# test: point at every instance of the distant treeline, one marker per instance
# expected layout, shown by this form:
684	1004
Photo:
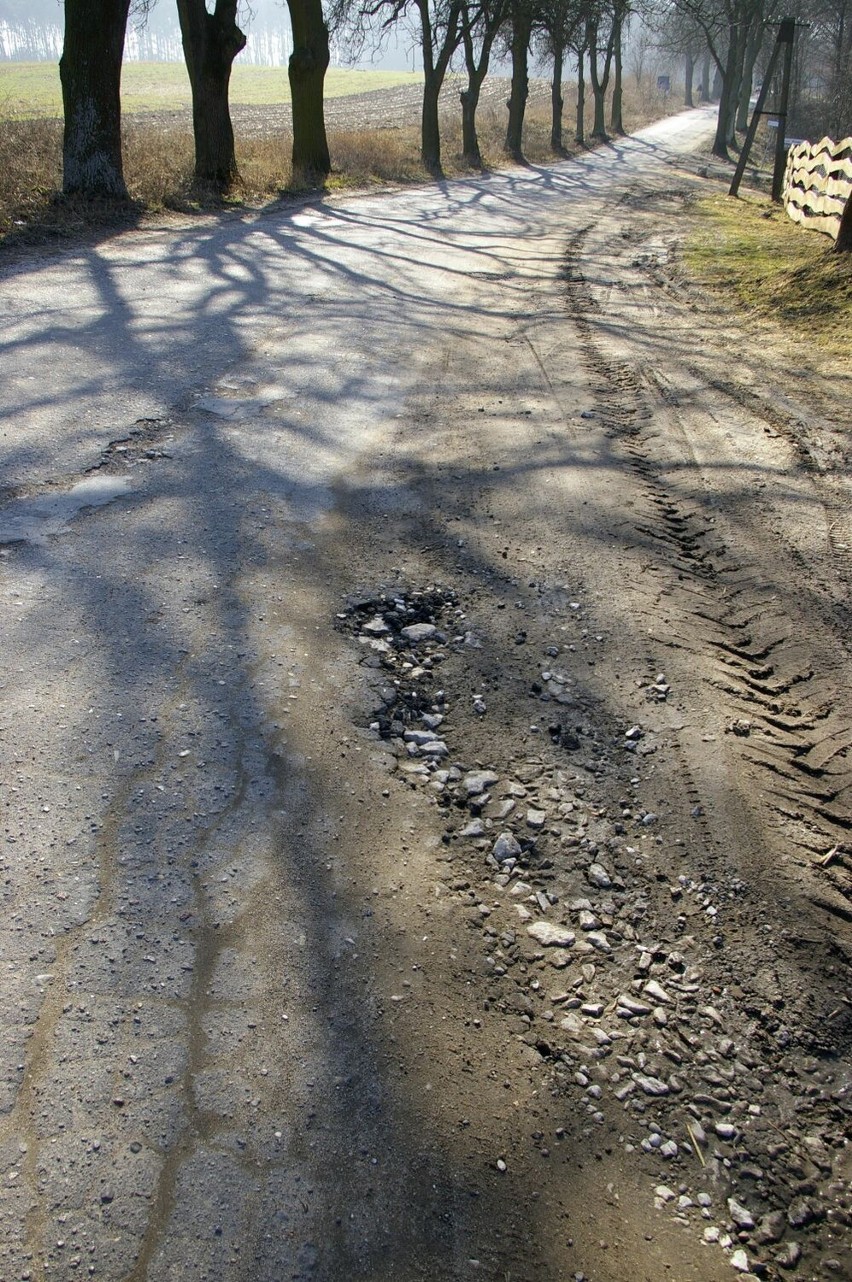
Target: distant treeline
29	40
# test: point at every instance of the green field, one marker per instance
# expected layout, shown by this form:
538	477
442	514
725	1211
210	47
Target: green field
32	88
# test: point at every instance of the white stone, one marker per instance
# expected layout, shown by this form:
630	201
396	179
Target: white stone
376	627
599	876
655	990
419	632
740	1214
550	935
478	781
650	1085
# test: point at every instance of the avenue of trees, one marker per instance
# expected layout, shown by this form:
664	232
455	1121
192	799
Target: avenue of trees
722	47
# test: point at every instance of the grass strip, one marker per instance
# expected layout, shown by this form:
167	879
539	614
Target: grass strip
749	250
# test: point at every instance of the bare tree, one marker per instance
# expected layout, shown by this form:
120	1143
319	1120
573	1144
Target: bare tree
439	34
733	31
600	63
211	42
479	26
90	74
559	22
580	45
620	12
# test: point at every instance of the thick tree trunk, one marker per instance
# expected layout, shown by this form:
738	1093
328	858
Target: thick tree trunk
430	129
434	71
521	32
469	98
90	74
616	120
688	72
843	244
211	42
557	102
307	67
580	129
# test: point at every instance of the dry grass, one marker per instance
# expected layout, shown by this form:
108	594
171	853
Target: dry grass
30	169
158	161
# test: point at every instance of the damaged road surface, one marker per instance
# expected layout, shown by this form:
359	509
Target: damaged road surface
426	767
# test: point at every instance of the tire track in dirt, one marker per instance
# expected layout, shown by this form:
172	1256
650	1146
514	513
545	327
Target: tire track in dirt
779	660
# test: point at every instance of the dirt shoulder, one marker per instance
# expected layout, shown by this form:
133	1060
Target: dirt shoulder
633	767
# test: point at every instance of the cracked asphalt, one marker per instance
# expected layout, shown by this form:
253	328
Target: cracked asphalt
252	1021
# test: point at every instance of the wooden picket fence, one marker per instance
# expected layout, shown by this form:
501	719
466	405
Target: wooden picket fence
818	183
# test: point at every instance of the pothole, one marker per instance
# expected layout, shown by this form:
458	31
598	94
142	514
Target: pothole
33	520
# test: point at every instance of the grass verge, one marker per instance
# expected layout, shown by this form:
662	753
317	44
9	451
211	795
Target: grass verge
749	250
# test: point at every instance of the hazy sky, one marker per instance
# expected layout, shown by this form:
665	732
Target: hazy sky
255	14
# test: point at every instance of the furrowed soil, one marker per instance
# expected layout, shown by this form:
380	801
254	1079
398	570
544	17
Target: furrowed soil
396	108
474	897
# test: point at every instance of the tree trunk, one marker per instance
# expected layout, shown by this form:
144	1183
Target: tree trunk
476	73
599	81
90	74
469	97
753	46
843	244
727	100
211	42
521	32
616	121
557	102
430	129
307	67
733	84
434	71
580	130
704	91
688	72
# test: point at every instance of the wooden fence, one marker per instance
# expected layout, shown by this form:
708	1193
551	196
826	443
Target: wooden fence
818	183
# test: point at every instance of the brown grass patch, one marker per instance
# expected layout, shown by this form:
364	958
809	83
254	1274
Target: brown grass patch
158	157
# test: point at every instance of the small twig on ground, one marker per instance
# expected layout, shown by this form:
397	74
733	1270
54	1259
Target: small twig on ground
694	1143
